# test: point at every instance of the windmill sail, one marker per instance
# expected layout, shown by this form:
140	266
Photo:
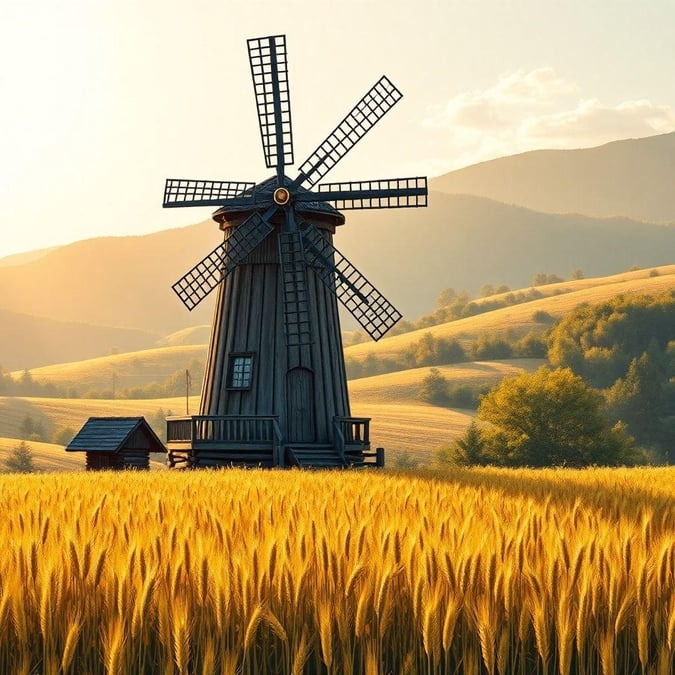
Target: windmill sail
364	302
196	284
269	70
376	102
179	192
388	193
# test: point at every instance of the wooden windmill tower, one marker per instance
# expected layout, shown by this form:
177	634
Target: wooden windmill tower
275	390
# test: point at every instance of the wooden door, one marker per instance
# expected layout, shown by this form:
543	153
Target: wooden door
300	426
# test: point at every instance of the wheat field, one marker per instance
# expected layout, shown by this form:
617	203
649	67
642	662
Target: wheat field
467	572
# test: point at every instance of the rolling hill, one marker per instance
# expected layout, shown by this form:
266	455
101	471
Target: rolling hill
124	282
519	319
401	423
632	178
61	413
50	457
152	365
30	341
409	254
130	370
46	456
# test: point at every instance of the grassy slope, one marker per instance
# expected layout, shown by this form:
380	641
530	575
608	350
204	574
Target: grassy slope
137	368
194	335
519	318
59	413
402	423
131	369
50	457
46	456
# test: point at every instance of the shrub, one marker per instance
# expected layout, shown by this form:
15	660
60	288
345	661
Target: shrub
20	459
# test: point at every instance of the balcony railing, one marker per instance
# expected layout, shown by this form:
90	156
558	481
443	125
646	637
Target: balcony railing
224	432
352	440
354	430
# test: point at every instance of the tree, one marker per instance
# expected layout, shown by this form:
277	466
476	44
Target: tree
490	348
550	418
577	273
20	459
469	449
543	279
434	388
639	399
446	297
32	429
599	341
486	290
63	436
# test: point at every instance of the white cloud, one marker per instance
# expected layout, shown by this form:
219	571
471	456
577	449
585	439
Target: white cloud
513	95
533	110
593	122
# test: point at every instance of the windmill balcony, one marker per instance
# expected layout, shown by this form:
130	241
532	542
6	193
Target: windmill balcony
256	440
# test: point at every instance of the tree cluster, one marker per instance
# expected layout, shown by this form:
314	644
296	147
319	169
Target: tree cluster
546	418
435	388
438	351
625	347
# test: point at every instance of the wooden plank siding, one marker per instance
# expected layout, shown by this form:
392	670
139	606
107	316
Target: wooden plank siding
248	318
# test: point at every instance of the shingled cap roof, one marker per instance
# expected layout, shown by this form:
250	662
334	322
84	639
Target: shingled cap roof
110	434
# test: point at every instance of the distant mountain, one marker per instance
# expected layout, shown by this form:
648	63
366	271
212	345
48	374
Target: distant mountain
123	282
462	242
29	342
409	254
22	258
634	178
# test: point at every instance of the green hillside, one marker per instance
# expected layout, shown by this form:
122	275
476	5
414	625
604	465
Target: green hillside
152	365
407	427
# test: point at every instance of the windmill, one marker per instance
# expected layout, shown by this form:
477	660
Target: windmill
275	389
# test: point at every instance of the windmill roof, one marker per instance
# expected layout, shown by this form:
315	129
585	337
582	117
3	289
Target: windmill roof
110	434
269	185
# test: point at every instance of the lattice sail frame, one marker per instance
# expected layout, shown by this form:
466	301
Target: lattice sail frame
300	245
372	107
197	283
269	70
387	193
192	192
363	301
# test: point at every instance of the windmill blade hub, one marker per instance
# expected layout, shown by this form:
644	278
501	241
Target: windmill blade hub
281	196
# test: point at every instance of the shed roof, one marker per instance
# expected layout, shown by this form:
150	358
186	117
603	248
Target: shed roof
110	434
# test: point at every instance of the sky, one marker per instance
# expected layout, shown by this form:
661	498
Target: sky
102	100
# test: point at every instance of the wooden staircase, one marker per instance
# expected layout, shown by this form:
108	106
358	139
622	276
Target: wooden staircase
314	456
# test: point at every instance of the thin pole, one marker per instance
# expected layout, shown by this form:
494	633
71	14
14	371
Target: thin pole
188	380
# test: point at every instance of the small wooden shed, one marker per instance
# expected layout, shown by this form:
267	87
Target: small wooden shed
116	443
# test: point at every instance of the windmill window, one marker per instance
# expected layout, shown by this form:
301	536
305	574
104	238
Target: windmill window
240	371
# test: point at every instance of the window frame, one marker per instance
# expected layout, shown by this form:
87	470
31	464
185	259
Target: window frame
232	362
